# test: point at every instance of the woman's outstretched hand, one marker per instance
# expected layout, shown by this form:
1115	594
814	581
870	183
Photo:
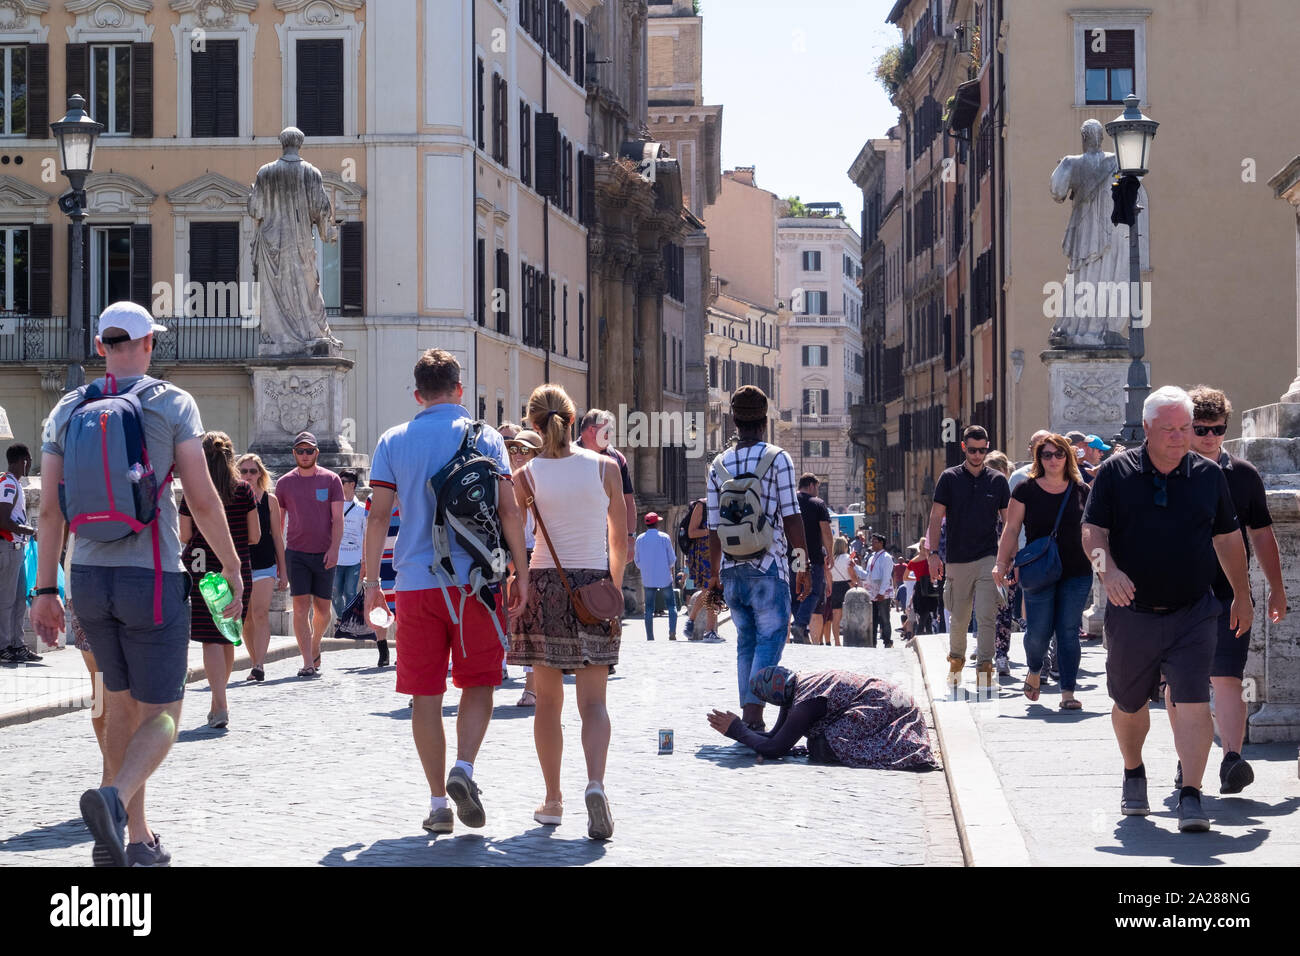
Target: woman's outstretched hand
721	720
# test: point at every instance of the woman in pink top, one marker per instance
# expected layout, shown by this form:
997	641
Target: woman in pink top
579	497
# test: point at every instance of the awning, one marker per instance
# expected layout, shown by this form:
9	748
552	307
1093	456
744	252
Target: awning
965	106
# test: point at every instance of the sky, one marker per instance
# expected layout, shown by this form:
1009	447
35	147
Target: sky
797	85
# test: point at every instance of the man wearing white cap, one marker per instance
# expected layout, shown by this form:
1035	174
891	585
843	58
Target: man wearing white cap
655	557
141	645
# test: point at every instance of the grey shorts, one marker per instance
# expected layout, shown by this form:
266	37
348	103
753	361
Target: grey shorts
115	609
1143	645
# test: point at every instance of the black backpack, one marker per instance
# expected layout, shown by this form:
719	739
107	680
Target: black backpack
465	505
684	539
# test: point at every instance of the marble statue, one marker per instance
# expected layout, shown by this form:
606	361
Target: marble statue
1098	252
287	200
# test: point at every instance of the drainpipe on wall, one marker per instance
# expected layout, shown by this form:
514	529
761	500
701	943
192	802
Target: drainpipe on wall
473	222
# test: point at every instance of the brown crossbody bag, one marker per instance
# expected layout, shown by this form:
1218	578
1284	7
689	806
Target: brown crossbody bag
599	602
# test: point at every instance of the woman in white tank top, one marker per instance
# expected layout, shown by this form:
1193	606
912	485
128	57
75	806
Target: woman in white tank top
578	497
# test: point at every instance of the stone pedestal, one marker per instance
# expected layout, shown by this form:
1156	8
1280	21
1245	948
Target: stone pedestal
1271	442
1095	616
1086	390
303	394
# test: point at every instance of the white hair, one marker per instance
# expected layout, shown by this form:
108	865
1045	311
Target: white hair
1166	396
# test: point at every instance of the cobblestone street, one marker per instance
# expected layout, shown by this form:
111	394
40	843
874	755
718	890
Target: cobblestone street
324	772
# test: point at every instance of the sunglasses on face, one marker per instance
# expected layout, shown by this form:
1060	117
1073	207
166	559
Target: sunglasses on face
248	471
1203	430
978	451
1058	454
304	451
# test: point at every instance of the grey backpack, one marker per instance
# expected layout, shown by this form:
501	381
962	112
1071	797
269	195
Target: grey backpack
743	527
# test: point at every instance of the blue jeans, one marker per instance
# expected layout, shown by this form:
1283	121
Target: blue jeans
1057	609
804	612
670	602
346	579
760	609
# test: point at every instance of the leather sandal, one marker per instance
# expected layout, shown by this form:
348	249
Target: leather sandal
527	699
1033	690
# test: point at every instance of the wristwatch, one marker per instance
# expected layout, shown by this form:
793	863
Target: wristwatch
370	584
37	592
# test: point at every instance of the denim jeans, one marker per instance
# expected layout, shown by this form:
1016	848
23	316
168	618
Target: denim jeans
760	609
1058	610
804	612
346	579
880	625
670	602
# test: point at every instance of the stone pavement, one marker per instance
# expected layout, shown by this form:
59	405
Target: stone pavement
324	772
61	683
1034	785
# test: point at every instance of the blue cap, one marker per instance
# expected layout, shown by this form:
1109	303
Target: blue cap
1097	443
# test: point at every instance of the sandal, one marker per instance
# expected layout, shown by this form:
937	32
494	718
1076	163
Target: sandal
1032	690
527	699
316	663
306	672
1070	703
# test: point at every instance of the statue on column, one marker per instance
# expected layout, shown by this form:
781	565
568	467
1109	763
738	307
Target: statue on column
288	199
1096	249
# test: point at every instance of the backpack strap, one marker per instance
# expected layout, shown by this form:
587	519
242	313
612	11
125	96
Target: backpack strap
764	463
721	469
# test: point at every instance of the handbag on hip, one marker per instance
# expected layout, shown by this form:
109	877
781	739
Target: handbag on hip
1038	563
599	602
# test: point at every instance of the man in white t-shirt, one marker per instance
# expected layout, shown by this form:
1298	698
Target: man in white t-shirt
14	535
347	573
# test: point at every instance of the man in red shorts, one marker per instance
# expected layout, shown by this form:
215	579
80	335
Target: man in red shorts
438	618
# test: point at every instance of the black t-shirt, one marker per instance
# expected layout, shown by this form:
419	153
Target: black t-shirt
972	503
1251	503
617	455
1040	514
814	512
1167	552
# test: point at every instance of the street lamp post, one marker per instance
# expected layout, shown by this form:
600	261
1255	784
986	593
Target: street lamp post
76	134
1133	133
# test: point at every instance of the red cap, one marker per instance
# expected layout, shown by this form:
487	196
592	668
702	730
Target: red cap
652	518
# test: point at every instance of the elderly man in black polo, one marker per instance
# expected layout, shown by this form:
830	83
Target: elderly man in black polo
1158	524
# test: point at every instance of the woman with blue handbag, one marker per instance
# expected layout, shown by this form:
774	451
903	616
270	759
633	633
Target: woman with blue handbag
1052	568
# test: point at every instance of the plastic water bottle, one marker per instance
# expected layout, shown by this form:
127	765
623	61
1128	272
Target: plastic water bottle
136	473
381	617
216	594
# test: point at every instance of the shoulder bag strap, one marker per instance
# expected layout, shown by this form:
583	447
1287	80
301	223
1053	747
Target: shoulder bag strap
1064	501
541	526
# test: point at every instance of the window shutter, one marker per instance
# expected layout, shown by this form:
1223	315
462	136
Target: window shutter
480	281
38	91
214	251
142	90
309	91
214	89
525	143
826	401
352	273
547	145
40	269
579	53
588	189
142	265
503	283
479	94
85	276
77	66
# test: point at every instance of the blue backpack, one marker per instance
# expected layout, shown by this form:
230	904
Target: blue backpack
109	489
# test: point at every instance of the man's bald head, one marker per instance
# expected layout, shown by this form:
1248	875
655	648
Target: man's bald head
1035	438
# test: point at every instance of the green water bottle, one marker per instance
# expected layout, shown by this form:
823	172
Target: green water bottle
216	594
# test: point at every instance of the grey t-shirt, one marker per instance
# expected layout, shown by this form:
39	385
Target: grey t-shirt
170	418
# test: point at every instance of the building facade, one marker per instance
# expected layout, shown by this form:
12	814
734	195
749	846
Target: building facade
745	315
819	268
878	172
991	95
691	132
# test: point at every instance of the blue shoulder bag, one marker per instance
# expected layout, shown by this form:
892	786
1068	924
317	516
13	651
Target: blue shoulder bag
1038	563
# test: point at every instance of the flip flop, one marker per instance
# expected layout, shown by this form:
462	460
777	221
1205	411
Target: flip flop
1033	690
1072	703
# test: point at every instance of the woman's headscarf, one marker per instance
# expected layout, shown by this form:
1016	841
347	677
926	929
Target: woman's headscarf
775	685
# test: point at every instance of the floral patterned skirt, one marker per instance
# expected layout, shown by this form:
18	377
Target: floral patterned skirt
548	632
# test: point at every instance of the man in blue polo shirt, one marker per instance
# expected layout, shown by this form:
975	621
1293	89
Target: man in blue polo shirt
439	619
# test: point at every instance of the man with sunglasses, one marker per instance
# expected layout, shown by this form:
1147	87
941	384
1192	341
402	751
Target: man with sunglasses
311	498
1211	410
1159	523
972	498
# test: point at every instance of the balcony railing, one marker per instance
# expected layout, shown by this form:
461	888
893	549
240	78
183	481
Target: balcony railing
28	338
